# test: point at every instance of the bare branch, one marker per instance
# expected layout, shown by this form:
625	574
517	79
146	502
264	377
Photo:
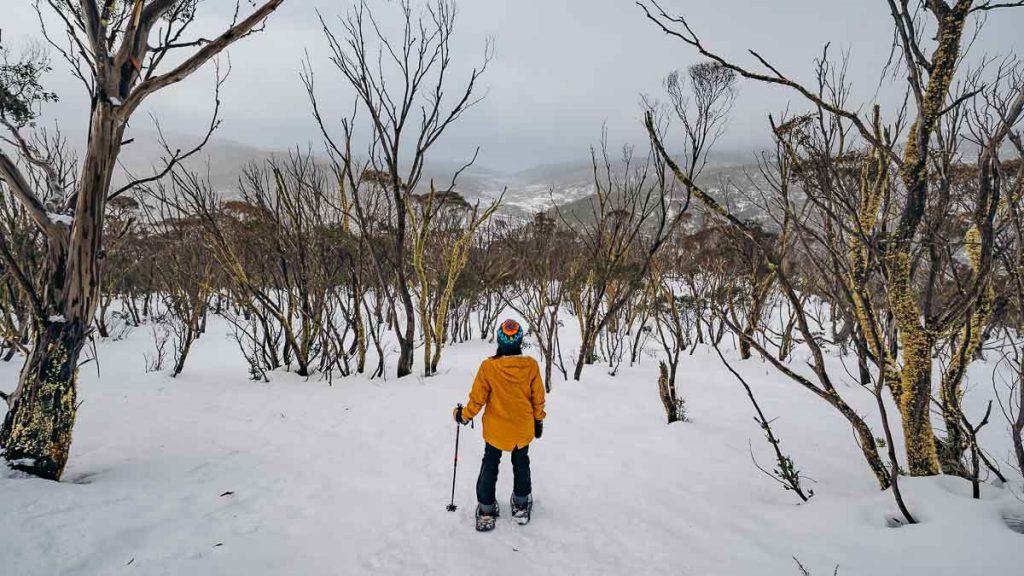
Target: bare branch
987	6
197	60
21	189
688	36
178	156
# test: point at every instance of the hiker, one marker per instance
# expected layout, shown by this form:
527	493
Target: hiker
509	385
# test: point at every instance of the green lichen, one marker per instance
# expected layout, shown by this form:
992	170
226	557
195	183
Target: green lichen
40	427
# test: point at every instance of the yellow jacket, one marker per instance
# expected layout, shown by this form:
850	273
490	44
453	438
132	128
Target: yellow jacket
512	390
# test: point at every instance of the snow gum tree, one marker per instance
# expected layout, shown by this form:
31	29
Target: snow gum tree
402	83
887	196
116	49
542	267
447	223
619	232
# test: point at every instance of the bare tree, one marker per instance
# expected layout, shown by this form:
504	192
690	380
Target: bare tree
633	213
401	84
284	253
185	273
492	264
1012	257
543	266
118	260
446	222
890	220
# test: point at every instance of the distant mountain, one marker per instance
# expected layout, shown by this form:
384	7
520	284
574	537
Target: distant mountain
540	188
222	160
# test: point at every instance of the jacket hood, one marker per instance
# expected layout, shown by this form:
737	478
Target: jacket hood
514	368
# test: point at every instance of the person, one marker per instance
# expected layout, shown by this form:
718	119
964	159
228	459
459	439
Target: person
509	389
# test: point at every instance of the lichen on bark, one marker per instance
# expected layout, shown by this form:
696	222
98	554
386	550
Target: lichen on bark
39	434
915	375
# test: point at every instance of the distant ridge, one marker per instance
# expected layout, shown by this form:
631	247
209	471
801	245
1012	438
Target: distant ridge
538	188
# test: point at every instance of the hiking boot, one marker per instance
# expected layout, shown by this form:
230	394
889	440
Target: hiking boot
521	511
485	520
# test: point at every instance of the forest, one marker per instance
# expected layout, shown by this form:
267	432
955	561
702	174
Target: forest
863	272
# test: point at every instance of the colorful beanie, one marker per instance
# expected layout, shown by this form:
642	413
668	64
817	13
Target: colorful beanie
510	337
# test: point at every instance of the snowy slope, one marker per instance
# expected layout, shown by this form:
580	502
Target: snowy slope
210	474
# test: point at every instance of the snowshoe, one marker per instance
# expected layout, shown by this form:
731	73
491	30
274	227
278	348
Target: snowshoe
521	512
485	521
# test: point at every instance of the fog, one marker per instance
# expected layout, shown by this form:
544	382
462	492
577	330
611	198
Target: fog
560	70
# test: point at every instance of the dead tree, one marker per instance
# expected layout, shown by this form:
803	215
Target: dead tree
671	322
826	389
701	101
1012	258
282	248
116	49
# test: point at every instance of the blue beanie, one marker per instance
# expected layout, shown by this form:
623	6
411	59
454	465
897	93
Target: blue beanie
510	337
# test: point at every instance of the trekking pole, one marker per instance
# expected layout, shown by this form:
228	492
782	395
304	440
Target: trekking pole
455	467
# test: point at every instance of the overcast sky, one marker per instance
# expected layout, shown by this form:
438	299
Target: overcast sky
561	69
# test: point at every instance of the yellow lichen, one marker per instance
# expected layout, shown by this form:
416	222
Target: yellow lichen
41	429
972	245
915	377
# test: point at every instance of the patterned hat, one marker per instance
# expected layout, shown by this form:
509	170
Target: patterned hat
510	334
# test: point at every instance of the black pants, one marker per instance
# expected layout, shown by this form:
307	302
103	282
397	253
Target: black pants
488	478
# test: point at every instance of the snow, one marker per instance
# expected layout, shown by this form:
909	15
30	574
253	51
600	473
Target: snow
57	319
211	474
61	218
540	197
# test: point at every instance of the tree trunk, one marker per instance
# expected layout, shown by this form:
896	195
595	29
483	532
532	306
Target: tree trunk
634	353
36	433
1017	427
700	326
101	319
865	439
586	355
589	331
914	391
549	346
667	391
786	346
549	363
761	289
360	326
405	356
186	346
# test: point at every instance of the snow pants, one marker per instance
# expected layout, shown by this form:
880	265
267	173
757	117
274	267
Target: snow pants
485	483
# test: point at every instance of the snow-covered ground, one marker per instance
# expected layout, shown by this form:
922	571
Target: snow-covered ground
212	474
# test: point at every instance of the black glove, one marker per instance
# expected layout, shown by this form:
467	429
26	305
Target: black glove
538	428
458	414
